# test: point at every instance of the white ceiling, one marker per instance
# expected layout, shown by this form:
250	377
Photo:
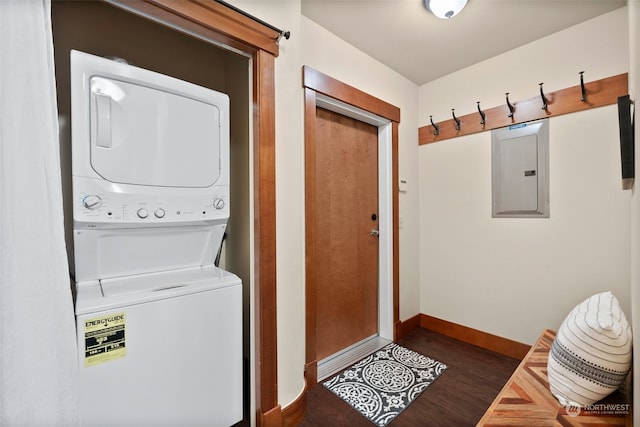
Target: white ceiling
407	38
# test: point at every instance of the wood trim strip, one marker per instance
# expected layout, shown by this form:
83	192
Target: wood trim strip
311	366
396	225
599	93
265	231
270	418
403	328
232	25
476	337
164	16
333	88
311	372
293	413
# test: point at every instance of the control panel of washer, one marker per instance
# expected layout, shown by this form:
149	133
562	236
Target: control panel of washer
96	207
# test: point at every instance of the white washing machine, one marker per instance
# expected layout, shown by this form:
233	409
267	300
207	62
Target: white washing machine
159	326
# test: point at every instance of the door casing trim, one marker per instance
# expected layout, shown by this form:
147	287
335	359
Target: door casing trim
327	92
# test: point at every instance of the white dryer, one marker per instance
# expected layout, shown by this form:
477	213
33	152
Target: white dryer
159	326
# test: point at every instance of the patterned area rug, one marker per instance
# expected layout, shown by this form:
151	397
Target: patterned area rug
383	384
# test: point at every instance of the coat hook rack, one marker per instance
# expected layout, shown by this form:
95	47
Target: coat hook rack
455	119
564	101
544	98
511	107
436	128
482	115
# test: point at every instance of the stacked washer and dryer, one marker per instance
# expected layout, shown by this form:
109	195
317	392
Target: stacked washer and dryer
159	325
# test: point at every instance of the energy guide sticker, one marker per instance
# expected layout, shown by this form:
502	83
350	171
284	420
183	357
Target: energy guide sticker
104	339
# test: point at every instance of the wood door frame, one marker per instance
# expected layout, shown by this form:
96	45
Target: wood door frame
220	25
320	88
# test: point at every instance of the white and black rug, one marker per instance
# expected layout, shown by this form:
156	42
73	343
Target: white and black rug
383	384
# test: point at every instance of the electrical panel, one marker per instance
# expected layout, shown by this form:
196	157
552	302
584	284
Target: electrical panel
520	170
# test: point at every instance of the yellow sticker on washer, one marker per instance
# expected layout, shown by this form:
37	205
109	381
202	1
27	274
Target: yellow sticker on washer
104	339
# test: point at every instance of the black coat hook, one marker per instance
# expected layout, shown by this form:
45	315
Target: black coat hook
436	128
511	107
544	98
482	115
582	89
455	119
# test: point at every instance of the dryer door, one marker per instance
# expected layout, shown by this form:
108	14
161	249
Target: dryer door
146	136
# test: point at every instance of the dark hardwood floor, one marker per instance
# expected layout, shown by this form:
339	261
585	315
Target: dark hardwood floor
458	398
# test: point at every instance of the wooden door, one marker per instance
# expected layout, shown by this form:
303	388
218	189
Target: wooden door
346	250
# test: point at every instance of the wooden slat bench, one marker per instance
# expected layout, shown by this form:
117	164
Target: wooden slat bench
525	400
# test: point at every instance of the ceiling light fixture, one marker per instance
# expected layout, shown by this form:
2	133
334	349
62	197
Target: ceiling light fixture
445	9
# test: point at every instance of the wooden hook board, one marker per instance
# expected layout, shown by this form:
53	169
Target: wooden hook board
598	93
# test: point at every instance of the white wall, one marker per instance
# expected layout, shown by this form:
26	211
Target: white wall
451	251
314	46
332	56
515	277
285	14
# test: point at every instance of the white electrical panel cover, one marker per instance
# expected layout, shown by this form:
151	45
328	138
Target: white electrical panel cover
520	174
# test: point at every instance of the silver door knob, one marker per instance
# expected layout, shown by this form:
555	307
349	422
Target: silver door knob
374	232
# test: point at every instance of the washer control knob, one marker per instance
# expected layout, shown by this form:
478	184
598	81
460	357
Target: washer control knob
159	213
92	202
218	203
142	213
